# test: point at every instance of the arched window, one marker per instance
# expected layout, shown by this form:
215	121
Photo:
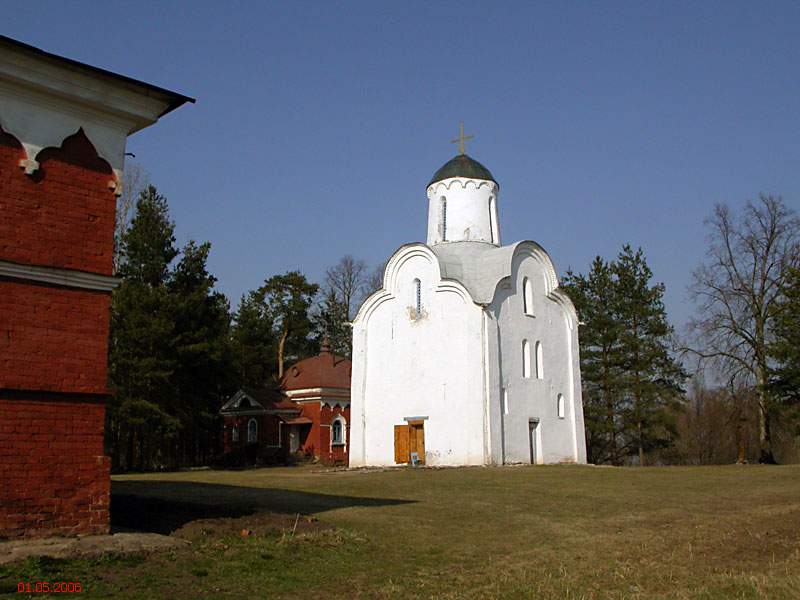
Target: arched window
539	361
418	297
527	296
526	359
444	219
337	436
252	431
235	433
560	406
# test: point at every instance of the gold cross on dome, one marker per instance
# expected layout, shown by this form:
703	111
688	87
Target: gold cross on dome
462	148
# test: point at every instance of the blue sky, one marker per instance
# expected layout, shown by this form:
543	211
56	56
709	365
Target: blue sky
318	125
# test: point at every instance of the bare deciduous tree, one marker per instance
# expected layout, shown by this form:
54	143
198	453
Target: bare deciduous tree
346	281
735	291
374	280
135	180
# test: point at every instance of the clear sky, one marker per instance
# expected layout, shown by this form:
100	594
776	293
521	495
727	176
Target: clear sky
318	125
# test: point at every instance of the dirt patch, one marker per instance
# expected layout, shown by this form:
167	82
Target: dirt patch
256	524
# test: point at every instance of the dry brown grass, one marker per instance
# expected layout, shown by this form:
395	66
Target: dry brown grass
524	532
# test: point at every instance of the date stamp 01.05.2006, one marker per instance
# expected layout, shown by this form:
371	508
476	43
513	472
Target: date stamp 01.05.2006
41	587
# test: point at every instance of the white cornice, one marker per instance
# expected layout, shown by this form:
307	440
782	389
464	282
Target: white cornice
58	276
463	182
319	390
45	98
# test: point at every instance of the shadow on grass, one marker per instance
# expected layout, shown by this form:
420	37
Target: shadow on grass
164	506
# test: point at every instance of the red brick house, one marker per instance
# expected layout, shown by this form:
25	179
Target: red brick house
307	413
63	127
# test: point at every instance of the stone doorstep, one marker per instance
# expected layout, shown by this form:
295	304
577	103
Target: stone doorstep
87	545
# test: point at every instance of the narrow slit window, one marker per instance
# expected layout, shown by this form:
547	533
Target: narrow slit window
526	359
560	406
492	222
252	431
444	219
235	433
527	296
418	297
504	400
539	361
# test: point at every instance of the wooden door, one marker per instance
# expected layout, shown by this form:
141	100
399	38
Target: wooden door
402	445
417	439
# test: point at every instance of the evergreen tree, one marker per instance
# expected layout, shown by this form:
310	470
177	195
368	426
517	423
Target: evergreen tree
289	299
595	297
202	377
631	383
168	355
785	350
650	378
330	317
253	343
141	335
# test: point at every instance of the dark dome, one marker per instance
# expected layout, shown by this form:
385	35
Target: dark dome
462	166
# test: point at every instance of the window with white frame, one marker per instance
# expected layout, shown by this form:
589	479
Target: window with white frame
235	433
337	432
527	296
560	406
252	431
539	361
418	297
526	358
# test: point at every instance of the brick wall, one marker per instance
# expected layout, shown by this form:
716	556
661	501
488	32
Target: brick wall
54	342
54	476
52	338
63	214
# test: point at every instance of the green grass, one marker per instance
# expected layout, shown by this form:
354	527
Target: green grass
563	532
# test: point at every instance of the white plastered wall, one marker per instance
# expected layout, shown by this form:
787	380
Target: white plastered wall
554	325
405	367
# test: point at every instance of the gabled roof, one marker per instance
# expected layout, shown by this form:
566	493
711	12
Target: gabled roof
254	400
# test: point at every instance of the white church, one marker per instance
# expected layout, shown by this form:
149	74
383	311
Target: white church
468	355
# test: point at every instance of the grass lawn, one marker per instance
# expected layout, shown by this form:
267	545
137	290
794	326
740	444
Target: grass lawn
564	532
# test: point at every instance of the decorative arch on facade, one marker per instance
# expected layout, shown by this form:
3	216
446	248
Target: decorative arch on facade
391	282
464	183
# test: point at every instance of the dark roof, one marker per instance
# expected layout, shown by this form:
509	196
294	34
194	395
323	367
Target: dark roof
175	99
462	166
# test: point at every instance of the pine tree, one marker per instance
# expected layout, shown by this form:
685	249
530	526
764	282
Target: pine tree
289	299
169	359
141	362
650	378
785	350
330	317
595	297
253	343
202	377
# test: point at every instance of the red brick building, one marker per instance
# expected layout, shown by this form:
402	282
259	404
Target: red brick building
307	413
63	127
